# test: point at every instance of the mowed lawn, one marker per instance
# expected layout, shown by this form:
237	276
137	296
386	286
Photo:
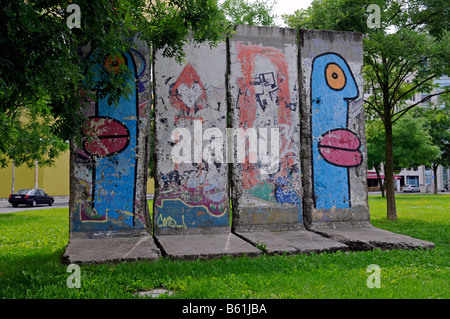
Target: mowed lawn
32	242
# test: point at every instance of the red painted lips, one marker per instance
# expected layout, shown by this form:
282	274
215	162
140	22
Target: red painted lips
105	136
340	147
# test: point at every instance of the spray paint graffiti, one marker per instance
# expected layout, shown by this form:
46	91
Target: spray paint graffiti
192	193
334	147
264	100
107	157
187	94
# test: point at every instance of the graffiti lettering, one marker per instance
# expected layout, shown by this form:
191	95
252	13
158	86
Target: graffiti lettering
170	222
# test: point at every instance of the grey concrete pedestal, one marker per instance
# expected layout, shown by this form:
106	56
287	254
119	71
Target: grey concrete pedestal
111	249
292	242
205	246
366	238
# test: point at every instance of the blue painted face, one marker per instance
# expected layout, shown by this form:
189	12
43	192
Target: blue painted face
112	147
332	85
334	147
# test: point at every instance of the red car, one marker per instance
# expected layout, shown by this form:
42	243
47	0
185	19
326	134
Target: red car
30	197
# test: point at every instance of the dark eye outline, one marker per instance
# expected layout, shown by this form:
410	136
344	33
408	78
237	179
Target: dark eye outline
333	76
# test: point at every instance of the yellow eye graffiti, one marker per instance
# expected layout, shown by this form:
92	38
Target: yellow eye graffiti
335	76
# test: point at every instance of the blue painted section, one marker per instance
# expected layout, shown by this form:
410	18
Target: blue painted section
329	111
284	192
115	175
175	214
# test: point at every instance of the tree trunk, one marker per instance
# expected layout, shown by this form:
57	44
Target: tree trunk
435	168
389	171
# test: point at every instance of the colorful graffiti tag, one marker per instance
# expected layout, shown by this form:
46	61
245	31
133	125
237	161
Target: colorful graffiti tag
194	193
265	100
107	159
334	147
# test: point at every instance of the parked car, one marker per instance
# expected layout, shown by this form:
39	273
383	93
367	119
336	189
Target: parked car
411	188
30	197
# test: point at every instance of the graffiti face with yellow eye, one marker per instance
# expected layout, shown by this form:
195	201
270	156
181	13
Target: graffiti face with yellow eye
335	148
335	76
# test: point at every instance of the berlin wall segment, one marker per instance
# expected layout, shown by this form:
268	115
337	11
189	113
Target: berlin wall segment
108	210
333	135
109	168
263	92
190	98
273	118
333	142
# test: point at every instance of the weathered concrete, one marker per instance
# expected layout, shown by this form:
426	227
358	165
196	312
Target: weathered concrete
108	169
190	122
292	242
334	157
205	246
263	101
111	249
366	238
332	129
257	82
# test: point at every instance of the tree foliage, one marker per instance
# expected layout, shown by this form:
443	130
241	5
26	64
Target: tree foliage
43	74
258	12
412	141
437	122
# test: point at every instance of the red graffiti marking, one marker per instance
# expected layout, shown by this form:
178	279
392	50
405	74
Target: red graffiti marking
105	136
113	63
247	55
341	147
188	94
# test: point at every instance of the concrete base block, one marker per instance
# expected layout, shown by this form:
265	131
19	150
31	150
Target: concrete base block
111	249
205	246
292	242
366	238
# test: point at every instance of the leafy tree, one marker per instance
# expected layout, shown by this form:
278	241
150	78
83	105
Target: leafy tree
413	144
30	136
42	70
401	57
437	122
258	12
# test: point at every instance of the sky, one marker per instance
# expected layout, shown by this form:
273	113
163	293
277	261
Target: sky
289	7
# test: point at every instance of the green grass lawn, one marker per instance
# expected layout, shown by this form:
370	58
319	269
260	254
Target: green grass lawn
32	242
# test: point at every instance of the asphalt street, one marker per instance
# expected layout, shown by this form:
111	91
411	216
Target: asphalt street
6	207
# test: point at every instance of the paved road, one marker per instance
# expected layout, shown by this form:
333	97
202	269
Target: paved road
6	207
